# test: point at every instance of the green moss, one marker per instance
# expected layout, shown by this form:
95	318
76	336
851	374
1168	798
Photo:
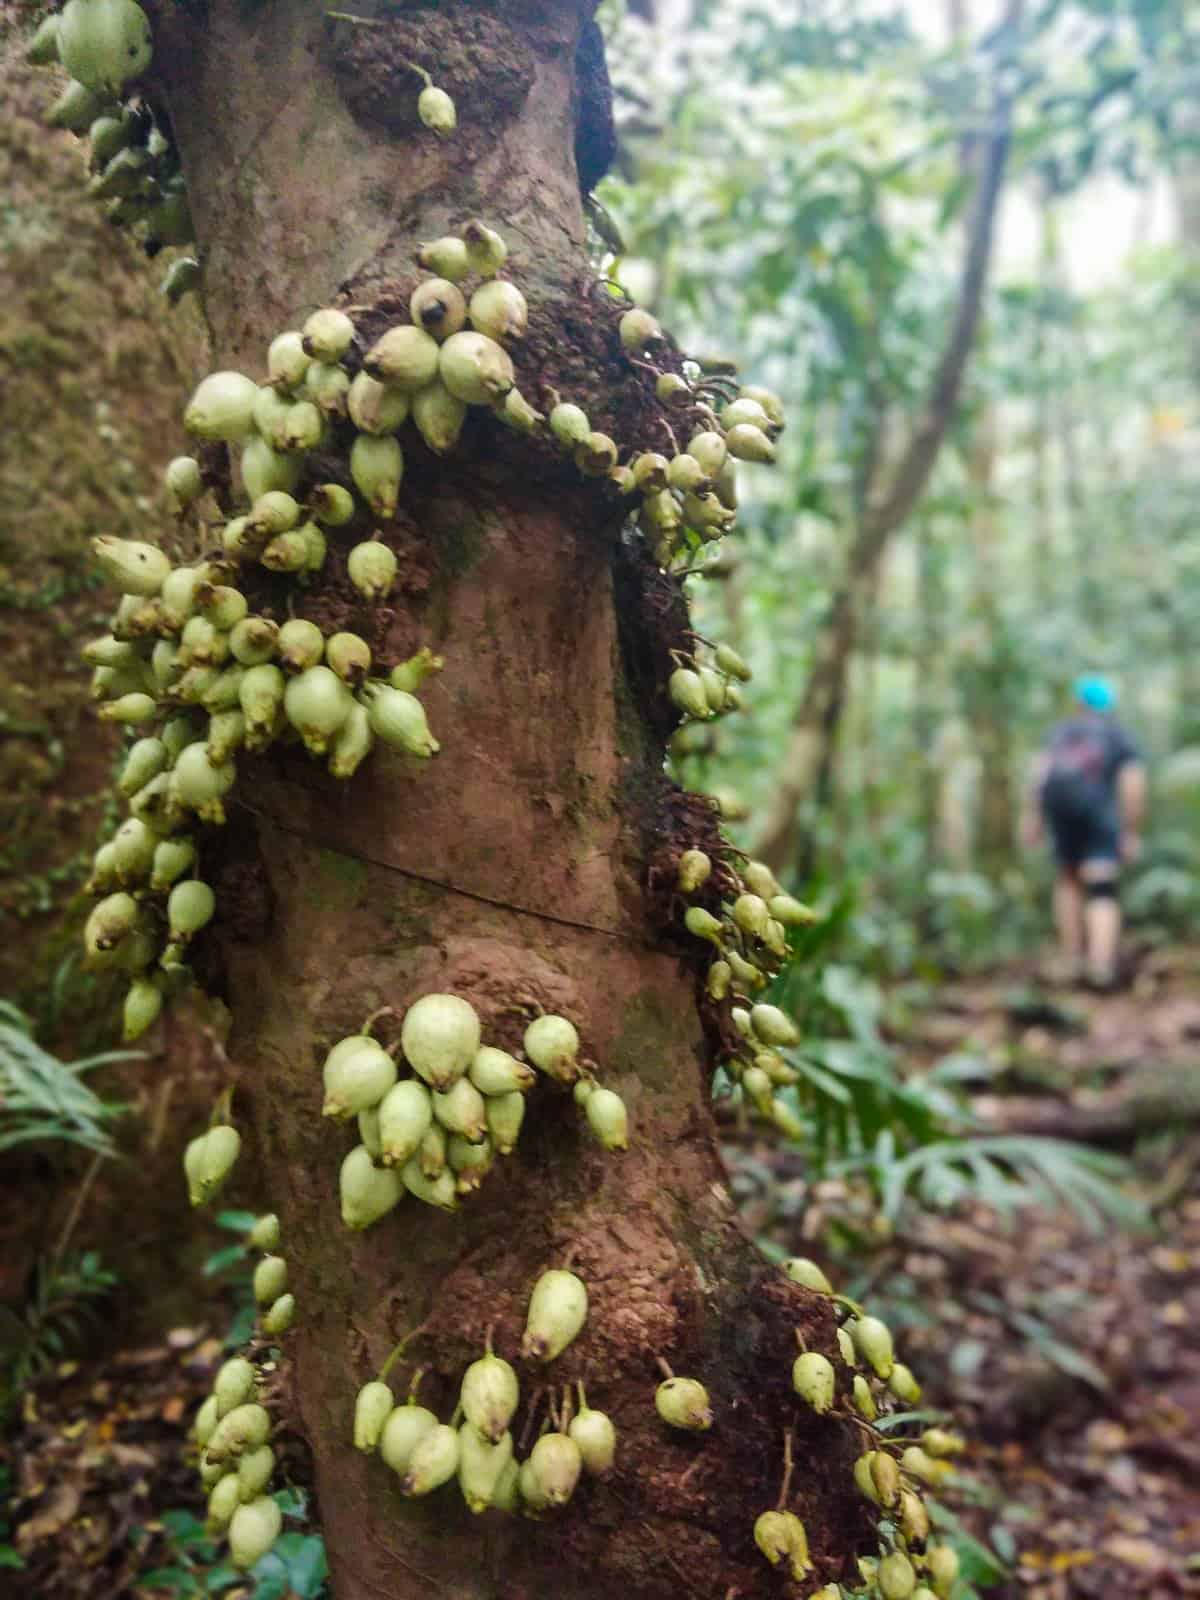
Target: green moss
460	542
32	347
648	1039
342	881
407	917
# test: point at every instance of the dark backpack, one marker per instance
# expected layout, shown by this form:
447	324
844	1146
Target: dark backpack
1076	783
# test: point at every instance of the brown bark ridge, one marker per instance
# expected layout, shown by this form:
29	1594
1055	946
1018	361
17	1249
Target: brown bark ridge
886	506
511	870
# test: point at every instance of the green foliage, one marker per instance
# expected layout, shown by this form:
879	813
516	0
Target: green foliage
44	1102
1004	1173
979	1567
43	1099
294	1569
66	1298
1104	91
10	1556
913	1138
223	1260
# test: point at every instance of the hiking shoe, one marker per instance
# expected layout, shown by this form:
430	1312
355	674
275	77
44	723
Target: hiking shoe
1060	972
1102	980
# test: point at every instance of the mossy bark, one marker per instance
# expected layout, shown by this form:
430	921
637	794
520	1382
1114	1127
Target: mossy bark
511	870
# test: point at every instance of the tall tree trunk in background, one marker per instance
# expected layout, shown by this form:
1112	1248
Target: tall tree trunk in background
863	691
1074	497
1065	411
516	870
928	662
885	508
1185	717
987	706
1186	186
1042	522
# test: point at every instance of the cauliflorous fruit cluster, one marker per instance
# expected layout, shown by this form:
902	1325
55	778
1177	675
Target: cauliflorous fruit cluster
203	674
476	1446
232	1428
132	159
891	1474
749	938
436	1134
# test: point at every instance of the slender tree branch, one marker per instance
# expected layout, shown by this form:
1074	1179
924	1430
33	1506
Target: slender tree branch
885	513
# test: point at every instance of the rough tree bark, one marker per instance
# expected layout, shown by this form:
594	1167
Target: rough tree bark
516	870
886	506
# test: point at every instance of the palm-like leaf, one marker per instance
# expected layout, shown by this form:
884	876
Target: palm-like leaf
43	1098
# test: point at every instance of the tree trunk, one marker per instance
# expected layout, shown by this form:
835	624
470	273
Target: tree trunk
516	870
928	701
864	694
1042	539
987	681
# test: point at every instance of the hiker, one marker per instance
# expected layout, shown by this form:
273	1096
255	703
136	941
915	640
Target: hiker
1089	794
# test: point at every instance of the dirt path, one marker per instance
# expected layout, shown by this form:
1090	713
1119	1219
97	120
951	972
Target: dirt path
1073	1356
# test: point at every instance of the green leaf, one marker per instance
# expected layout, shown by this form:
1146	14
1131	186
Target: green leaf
308	1567
1064	1356
903	1419
178	1579
182	1524
977	1564
1003	1543
236	1221
826	1082
241	1327
230	1256
222	1577
270	1578
42	1098
292	1502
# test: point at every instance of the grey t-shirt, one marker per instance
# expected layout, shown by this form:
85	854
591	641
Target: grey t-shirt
1092	747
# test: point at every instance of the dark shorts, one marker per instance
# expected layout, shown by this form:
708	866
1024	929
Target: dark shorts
1090	837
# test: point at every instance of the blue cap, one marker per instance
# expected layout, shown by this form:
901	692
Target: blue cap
1095	692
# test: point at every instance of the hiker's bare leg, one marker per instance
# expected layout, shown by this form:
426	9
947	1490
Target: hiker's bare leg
1068	917
1102	916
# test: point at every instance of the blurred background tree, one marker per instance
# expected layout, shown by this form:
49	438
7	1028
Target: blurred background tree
935	562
